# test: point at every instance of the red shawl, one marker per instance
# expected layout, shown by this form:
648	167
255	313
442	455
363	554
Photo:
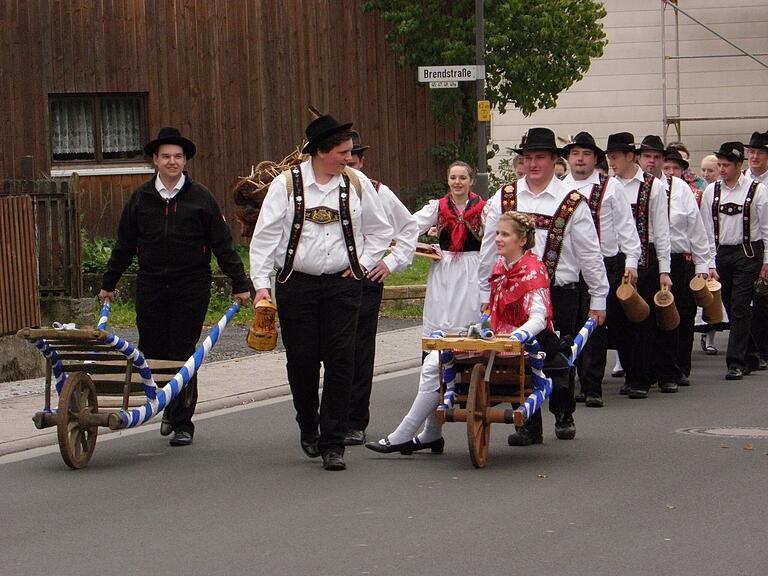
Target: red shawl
456	224
512	292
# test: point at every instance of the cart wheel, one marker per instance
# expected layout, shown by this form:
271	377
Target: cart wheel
76	442
478	427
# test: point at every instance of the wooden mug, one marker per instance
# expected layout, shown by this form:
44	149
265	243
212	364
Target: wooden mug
667	316
701	292
262	335
713	312
635	308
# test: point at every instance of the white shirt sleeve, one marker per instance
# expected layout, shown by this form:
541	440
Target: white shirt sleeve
488	255
375	226
405	231
426	217
626	229
268	233
761	207
586	247
696	233
537	316
659	208
706	218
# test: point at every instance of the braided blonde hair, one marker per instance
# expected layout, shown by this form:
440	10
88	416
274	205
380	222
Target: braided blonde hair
522	224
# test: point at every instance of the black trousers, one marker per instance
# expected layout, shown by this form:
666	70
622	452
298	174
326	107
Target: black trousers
760	326
643	363
365	354
565	308
591	363
318	323
737	276
169	318
681	272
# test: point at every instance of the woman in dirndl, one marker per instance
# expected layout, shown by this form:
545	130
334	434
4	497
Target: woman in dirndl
452	300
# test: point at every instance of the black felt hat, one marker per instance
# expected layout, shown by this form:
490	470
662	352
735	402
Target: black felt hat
320	128
357	143
171	135
652	143
621	142
673	154
758	140
538	139
732	151
584	140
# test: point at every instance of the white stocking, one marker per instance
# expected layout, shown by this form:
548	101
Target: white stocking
425	403
432	430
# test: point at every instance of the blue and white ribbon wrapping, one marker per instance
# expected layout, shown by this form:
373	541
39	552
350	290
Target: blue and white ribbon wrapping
105	309
161	397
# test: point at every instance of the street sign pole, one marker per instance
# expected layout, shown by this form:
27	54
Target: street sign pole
481	180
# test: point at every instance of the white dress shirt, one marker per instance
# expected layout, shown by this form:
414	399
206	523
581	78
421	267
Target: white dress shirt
160	187
580	251
686	229
762	178
321	248
730	225
405	232
618	232
658	221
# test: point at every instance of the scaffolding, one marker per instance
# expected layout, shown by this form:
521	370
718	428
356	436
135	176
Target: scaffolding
675	118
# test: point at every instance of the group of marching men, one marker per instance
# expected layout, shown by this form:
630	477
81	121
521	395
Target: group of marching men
334	235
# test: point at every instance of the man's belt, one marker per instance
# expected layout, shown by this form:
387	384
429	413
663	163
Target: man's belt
322	215
731	208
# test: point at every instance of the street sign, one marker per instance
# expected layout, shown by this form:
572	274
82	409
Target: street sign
444	84
468	73
483	111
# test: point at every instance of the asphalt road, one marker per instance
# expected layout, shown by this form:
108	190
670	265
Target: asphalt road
631	495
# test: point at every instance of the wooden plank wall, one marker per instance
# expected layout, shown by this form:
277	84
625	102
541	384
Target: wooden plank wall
19	302
234	75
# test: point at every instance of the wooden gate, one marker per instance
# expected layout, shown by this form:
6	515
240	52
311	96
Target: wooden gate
57	233
19	300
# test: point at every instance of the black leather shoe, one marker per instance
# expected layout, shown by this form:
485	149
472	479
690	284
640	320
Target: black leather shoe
165	428
624	390
734	374
354	438
668	387
309	445
181	438
437	446
523	437
637	394
762	364
684	381
333	460
384	447
565	429
579	397
593	401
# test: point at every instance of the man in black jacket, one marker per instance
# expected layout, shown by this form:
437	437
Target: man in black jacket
173	224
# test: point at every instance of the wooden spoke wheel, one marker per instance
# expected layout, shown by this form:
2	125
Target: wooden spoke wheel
76	441
478	426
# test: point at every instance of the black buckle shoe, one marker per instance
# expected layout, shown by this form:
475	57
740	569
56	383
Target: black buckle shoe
383	446
333	461
437	446
309	445
354	438
523	437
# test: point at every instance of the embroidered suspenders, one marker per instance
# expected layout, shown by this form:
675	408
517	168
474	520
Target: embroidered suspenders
640	212
732	209
555	225
318	215
596	200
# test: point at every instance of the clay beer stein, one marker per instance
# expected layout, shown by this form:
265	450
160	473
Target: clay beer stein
713	312
262	335
701	293
633	304
667	316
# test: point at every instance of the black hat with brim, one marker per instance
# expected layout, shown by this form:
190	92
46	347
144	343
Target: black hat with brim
731	150
538	139
171	135
621	142
584	140
652	143
672	154
357	143
320	129
758	140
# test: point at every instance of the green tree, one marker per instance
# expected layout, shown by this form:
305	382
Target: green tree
535	49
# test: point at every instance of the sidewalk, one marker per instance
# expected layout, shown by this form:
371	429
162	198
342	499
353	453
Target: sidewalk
220	385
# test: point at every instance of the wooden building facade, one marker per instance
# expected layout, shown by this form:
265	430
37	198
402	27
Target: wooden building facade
85	83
